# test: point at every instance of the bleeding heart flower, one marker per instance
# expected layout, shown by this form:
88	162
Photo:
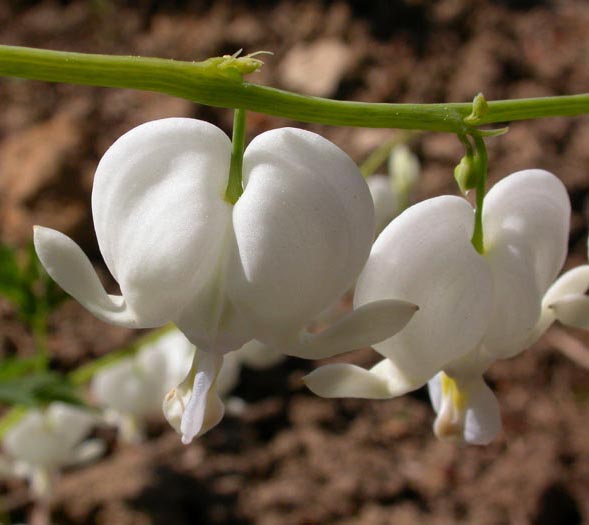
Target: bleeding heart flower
474	309
44	441
225	274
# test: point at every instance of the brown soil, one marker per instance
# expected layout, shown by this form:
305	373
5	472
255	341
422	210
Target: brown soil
292	458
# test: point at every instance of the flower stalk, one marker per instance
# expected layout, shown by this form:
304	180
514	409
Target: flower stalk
481	166
235	183
219	82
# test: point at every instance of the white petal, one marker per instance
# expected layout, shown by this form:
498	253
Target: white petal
526	221
566	299
72	423
128	387
344	380
572	310
425	257
304	226
483	416
478	421
573	282
47	439
159	213
404	170
530	208
194	407
229	375
364	326
66	263
167	359
259	355
385	202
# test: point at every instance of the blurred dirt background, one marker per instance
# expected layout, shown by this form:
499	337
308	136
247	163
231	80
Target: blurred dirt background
291	458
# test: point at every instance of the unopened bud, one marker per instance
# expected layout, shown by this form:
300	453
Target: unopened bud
466	174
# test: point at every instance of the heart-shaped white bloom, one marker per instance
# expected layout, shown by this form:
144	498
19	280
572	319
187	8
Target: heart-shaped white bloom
260	269
44	441
474	308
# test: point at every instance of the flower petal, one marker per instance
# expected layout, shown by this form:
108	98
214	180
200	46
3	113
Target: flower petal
304	226
47	439
572	310
385	202
575	282
159	213
481	418
526	220
228	376
425	257
66	263
194	407
345	380
259	356
365	326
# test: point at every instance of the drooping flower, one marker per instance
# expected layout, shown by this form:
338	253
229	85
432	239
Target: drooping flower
225	274
133	388
44	441
474	309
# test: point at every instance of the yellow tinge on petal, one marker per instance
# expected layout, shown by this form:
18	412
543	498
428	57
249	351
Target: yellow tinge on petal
449	424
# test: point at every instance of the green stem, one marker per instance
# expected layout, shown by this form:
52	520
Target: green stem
40	340
379	155
211	83
477	235
235	184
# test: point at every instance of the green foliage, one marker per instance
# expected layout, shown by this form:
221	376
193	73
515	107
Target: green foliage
21	383
27	286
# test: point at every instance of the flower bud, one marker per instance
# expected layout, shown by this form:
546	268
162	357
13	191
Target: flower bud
466	174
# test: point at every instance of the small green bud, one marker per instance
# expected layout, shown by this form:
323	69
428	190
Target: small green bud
467	174
480	107
234	66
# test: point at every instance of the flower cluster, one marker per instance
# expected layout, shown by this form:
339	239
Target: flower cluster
256	273
474	308
226	274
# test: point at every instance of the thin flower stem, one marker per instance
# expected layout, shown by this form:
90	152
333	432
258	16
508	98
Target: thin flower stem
481	152
379	155
218	82
235	184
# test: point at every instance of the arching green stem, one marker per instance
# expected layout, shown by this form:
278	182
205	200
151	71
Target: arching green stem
481	154
218	82
235	183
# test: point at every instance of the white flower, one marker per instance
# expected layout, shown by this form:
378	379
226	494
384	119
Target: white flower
225	274
134	388
391	194
473	309
43	442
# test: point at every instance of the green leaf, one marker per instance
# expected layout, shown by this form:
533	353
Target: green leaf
38	390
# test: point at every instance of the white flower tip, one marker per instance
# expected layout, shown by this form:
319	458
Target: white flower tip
345	380
194	407
467	412
572	310
67	264
365	326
